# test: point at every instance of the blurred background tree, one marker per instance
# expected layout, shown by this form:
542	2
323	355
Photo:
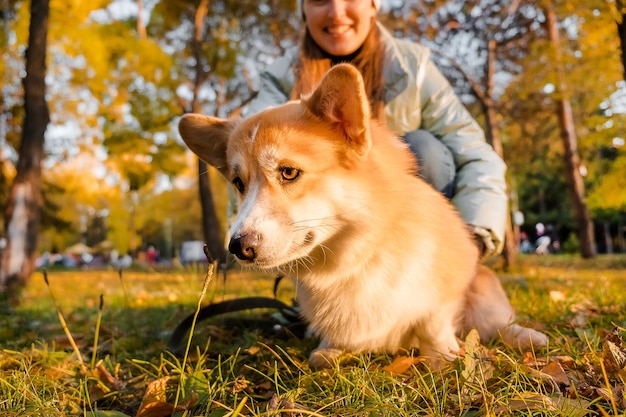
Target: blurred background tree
120	73
24	200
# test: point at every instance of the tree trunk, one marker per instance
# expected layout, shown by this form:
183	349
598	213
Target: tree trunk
494	138
25	199
141	27
570	144
210	224
608	240
621	239
621	31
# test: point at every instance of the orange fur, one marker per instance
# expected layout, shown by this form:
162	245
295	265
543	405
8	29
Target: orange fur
330	198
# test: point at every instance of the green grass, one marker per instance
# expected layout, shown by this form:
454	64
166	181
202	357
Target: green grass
243	373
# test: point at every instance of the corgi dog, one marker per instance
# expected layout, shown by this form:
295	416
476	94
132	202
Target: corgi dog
331	198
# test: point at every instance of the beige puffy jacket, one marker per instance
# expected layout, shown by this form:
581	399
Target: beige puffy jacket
418	96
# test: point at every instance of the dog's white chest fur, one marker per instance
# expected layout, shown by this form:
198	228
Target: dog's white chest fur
389	302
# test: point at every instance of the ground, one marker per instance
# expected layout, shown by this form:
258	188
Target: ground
94	343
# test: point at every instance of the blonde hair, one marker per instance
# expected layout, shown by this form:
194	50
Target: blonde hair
313	62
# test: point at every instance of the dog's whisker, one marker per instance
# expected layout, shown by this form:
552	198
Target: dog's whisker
324	226
306	262
324	248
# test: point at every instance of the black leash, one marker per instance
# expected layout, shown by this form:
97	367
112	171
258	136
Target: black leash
292	323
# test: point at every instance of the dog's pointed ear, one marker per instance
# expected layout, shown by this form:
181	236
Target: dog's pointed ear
207	137
340	99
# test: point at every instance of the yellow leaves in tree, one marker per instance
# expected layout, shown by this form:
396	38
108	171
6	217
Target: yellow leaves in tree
609	194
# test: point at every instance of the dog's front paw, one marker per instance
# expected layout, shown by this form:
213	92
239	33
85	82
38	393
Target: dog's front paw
324	357
524	337
435	360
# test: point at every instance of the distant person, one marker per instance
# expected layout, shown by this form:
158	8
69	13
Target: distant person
542	243
525	245
555	243
125	261
114	257
152	255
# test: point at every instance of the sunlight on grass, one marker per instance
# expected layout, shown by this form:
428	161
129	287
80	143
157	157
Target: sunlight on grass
230	372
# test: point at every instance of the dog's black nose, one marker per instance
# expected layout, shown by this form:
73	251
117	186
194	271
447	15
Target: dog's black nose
243	247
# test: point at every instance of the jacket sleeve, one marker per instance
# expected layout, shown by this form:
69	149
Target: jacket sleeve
480	189
276	85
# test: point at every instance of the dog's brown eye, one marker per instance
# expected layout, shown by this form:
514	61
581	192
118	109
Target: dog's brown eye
289	174
238	183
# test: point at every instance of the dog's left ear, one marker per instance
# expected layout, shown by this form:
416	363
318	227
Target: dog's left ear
207	137
340	99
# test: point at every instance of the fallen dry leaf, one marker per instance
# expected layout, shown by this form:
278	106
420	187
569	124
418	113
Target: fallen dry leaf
583	312
290	407
163	408
155	393
531	360
614	354
556	371
532	401
401	364
542	377
156	409
478	367
106	377
62	341
557	296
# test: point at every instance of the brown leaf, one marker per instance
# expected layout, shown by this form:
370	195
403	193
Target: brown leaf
154	402
264	389
583	312
541	376
556	371
401	364
155	393
478	365
614	354
533	361
527	401
240	384
106	377
273	403
253	350
534	401
156	409
97	392
62	341
472	355
565	360
277	403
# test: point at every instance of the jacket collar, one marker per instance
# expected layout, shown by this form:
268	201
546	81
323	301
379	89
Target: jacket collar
396	71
